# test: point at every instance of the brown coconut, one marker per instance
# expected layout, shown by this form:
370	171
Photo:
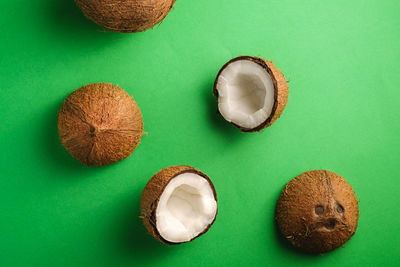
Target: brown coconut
317	211
126	16
100	124
151	195
281	91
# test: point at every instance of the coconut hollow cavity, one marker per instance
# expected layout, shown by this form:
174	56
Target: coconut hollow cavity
252	93
178	204
126	16
100	124
317	211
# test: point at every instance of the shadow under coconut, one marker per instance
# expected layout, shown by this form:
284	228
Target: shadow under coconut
69	24
132	239
51	149
217	121
281	241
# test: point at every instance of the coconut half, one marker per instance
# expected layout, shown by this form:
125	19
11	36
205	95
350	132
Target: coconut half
126	16
252	93
100	124
178	204
317	211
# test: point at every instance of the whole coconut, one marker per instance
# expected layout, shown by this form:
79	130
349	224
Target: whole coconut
100	124
126	16
317	211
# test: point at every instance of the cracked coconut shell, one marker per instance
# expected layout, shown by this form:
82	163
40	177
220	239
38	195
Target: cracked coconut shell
151	195
281	91
317	211
100	124
126	16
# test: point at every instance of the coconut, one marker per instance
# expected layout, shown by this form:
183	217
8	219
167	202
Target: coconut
178	204
251	92
126	16
100	124
317	211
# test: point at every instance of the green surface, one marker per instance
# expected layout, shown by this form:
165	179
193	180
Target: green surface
343	61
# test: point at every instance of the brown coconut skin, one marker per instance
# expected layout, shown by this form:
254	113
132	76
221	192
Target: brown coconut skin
100	124
152	193
281	91
126	16
317	211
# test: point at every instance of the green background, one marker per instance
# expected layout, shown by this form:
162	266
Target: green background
342	59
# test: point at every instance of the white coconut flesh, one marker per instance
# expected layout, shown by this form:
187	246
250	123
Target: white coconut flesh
245	93
186	208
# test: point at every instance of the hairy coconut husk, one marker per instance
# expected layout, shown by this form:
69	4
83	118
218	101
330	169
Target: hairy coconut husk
100	124
281	90
152	193
126	16
317	211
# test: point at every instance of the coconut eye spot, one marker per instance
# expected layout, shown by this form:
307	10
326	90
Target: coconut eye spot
319	209
186	208
330	224
246	93
339	208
